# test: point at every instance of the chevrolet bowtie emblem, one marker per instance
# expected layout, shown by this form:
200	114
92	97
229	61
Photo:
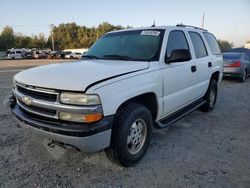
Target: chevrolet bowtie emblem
26	100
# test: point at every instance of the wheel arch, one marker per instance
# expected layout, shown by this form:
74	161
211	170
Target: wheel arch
215	76
149	100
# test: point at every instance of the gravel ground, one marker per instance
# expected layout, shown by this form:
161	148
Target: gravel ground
201	150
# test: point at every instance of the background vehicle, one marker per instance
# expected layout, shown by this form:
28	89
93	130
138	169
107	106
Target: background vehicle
125	85
64	53
236	65
73	55
16	53
40	54
241	50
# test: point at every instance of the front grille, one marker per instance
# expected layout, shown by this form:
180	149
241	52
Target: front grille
37	94
37	109
41	95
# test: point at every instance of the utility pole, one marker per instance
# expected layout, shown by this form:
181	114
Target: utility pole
52	37
203	20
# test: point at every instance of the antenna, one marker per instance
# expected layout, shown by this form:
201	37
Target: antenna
153	24
203	20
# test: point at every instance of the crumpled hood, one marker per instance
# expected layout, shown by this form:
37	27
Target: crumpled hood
78	75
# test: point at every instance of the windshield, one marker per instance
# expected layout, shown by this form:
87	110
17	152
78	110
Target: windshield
140	45
231	56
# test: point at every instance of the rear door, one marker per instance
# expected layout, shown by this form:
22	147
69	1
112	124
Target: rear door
203	62
179	78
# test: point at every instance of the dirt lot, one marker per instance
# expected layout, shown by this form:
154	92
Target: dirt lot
28	63
201	150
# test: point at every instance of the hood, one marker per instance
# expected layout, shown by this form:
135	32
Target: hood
76	76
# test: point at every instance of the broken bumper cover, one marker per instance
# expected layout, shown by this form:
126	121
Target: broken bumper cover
85	137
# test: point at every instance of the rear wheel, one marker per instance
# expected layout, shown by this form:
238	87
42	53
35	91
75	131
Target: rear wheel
244	75
130	135
210	96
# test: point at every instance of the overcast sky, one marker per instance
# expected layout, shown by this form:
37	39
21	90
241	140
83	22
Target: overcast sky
227	19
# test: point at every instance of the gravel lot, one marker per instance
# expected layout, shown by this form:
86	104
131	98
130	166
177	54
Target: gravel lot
201	150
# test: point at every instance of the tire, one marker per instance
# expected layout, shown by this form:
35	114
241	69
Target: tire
210	97
243	78
131	135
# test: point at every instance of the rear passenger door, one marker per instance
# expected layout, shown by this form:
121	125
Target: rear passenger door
179	78
203	63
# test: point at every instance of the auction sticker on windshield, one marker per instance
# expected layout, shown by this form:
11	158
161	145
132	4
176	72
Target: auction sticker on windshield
150	32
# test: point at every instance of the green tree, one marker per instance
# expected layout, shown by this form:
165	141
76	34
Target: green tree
225	45
22	41
7	39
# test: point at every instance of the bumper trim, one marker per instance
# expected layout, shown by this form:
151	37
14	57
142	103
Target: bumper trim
61	127
87	144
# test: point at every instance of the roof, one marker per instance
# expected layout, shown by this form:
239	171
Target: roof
178	26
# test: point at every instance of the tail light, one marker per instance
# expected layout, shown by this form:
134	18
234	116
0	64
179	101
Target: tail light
234	64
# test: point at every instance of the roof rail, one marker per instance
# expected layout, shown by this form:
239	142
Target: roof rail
183	25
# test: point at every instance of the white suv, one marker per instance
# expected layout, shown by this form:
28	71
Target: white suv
128	82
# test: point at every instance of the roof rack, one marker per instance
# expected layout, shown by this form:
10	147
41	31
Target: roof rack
183	25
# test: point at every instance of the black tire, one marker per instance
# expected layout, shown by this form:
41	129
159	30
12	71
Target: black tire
244	75
119	151
209	98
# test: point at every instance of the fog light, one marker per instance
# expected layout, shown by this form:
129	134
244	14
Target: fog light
86	118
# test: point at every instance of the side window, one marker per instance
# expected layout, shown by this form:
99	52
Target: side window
199	46
212	43
176	41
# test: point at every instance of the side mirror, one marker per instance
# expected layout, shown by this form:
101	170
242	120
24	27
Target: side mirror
179	55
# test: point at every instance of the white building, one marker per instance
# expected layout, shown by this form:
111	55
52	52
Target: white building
81	50
247	45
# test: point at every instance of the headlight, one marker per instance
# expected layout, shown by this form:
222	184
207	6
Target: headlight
79	99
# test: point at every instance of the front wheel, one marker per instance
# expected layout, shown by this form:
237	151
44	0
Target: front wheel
130	135
210	96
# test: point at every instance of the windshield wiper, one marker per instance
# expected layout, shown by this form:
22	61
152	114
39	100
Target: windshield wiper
89	57
121	57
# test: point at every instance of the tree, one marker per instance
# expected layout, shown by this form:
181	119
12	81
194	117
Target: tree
22	41
7	39
225	45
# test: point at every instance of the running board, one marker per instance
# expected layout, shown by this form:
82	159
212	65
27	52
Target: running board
169	120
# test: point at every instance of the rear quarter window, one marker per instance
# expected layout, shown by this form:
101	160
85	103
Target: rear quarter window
198	44
212	43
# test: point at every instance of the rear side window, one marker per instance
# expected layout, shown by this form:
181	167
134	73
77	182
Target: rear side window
231	56
199	46
176	41
212	43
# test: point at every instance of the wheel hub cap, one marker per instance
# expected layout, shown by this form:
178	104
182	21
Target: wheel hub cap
137	136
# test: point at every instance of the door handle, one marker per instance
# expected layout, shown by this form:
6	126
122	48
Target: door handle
209	64
193	68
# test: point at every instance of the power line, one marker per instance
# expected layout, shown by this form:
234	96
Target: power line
26	25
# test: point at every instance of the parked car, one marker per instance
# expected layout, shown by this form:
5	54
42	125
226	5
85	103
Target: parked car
241	50
53	55
40	54
15	53
236	65
73	55
64	53
128	82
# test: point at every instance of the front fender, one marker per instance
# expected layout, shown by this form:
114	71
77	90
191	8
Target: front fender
116	93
